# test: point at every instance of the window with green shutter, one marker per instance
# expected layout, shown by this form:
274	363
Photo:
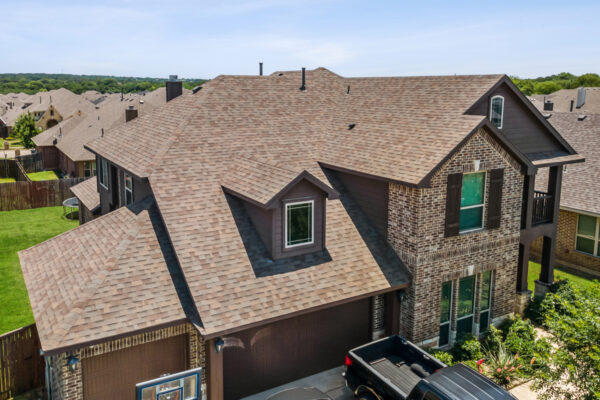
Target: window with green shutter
472	201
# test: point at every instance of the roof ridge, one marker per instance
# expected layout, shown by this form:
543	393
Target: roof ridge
100	276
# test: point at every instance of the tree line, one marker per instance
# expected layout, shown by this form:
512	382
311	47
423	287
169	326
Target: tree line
34	83
553	83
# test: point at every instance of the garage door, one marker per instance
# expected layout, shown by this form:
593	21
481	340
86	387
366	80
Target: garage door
114	375
268	356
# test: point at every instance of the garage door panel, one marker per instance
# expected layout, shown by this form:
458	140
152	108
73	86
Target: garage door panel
114	375
264	357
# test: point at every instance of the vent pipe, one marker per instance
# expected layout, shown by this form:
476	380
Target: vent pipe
303	87
102	135
580	97
260	71
571	108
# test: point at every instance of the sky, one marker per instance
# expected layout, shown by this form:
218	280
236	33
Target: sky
202	39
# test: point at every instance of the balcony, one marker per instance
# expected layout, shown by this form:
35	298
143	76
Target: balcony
543	208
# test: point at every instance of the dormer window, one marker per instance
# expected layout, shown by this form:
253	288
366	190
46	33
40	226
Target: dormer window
497	111
299	223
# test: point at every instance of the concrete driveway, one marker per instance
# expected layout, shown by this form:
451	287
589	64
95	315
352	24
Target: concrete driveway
331	382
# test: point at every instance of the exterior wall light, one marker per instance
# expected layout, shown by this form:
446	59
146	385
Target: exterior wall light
219	344
72	362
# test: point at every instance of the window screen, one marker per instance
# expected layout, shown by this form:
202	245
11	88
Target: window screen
299	223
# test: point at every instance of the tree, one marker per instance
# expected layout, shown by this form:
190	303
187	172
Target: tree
25	129
573	317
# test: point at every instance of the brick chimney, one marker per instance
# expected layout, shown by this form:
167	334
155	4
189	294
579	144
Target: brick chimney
130	113
174	87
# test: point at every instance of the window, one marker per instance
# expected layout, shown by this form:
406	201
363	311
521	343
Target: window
466	304
299	223
588	235
89	168
471	201
104	173
497	111
486	301
446	312
128	189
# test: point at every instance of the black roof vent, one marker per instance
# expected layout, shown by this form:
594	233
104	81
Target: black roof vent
548	106
196	89
348	92
260	71
280	74
581	117
303	87
351	126
547	115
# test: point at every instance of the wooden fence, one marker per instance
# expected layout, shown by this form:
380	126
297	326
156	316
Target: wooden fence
31	162
25	195
8	168
21	365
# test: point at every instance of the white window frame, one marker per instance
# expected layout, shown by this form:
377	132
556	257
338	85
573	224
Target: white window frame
312	225
473	309
501	115
103	170
126	189
595	239
482	205
449	322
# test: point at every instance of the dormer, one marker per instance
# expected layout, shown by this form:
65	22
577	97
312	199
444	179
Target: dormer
286	207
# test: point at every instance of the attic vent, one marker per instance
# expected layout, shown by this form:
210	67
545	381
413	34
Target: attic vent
547	115
351	126
196	89
548	105
581	117
281	74
348	92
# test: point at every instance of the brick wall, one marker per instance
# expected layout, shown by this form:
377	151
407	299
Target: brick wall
416	231
67	385
566	255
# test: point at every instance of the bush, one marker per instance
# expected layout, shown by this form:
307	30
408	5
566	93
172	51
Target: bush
492	339
467	348
444	357
503	365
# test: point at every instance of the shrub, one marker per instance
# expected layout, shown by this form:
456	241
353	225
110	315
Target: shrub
467	348
492	339
503	365
444	357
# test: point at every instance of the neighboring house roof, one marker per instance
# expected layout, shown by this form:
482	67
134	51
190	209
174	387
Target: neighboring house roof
99	288
87	193
562	101
579	189
394	129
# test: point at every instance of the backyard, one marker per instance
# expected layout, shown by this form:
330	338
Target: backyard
43	176
19	230
559	275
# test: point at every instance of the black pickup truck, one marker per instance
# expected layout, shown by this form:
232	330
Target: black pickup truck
395	369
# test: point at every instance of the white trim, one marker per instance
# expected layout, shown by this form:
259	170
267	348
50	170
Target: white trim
491	296
482	205
312	223
596	239
449	322
125	189
501	115
102	168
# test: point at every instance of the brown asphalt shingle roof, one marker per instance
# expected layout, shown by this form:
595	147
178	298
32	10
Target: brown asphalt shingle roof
189	147
103	279
87	193
562	101
580	190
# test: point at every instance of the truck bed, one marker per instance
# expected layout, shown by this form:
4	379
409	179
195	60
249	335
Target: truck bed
397	371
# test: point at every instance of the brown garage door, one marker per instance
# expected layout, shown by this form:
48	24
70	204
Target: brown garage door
114	375
268	356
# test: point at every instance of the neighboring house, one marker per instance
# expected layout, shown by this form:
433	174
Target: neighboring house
581	100
62	146
578	244
261	226
89	201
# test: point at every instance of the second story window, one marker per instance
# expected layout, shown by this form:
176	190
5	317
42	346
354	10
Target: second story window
472	201
299	223
128	189
89	168
104	173
497	111
588	235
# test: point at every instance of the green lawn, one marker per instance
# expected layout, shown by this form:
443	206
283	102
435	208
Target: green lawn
43	176
19	230
559	275
6	180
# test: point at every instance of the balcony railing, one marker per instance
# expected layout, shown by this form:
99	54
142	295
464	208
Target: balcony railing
543	208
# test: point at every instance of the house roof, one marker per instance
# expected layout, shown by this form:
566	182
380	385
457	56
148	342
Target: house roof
262	184
562	101
105	278
578	193
87	193
398	129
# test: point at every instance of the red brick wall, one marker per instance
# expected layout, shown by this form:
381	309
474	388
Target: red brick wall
416	231
566	255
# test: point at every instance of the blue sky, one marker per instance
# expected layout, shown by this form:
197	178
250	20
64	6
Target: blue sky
202	39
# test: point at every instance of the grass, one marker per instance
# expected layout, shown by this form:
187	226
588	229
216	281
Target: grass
13	143
6	180
559	275
43	176
20	230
